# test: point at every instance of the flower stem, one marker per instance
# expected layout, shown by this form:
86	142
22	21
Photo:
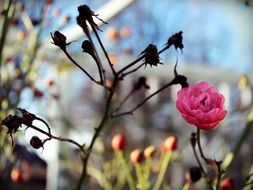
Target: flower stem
103	48
95	136
82	69
141	181
246	132
186	186
199	146
248	184
129	177
165	162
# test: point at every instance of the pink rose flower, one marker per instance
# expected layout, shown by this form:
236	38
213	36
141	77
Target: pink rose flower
201	105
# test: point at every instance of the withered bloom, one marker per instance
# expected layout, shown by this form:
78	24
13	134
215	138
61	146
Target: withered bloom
151	55
82	23
176	40
141	83
12	122
59	40
86	14
36	142
88	47
28	117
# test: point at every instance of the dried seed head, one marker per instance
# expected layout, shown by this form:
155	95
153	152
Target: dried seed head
36	142
87	47
12	122
176	40
28	117
59	40
151	55
85	12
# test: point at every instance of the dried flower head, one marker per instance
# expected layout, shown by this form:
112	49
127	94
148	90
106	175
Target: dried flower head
88	47
36	142
151	55
86	14
176	40
59	40
12	122
28	117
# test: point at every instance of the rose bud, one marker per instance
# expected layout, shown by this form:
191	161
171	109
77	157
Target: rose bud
170	144
201	105
118	142
193	174
227	184
149	151
36	143
136	156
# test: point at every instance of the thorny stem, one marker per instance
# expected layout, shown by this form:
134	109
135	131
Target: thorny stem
199	146
197	158
95	136
75	63
207	162
103	48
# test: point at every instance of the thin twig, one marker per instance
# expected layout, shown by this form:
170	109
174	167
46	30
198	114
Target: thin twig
103	48
129	72
81	147
130	112
75	63
131	64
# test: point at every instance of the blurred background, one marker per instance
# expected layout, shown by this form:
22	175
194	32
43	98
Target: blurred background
37	76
